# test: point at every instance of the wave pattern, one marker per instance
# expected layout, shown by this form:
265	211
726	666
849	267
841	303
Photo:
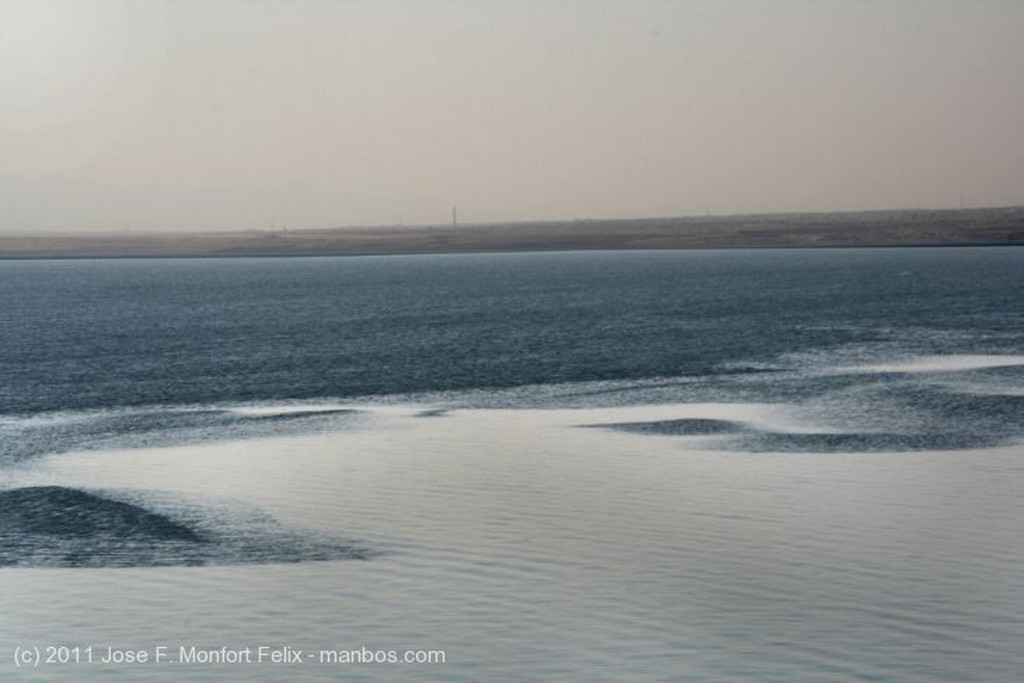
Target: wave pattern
55	526
950	403
26	437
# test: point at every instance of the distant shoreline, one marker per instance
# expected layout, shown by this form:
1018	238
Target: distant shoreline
902	228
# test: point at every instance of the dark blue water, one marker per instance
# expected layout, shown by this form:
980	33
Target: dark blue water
128	351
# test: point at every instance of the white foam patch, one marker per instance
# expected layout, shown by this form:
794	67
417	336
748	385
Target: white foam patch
952	363
285	409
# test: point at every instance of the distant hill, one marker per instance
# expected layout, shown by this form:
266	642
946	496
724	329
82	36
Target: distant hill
995	226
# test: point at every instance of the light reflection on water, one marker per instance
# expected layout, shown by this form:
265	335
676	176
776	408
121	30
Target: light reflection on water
529	548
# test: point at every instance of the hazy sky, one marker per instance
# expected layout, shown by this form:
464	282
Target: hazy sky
213	115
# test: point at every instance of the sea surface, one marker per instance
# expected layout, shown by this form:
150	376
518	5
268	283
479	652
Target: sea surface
784	465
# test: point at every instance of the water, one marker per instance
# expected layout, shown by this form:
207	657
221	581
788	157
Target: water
698	466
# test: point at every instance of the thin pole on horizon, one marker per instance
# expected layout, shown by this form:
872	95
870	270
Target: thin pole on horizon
455	216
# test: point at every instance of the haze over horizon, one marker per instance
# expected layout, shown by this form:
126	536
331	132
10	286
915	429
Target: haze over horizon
156	116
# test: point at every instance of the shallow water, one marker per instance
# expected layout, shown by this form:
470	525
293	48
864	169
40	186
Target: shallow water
529	548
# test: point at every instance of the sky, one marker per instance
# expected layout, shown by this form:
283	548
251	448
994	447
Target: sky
136	116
